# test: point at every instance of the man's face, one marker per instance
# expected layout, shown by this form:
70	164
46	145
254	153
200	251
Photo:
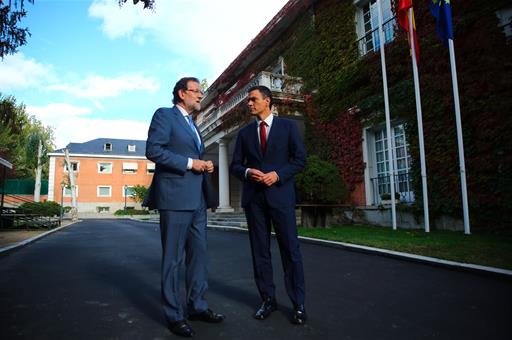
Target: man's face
191	97
257	104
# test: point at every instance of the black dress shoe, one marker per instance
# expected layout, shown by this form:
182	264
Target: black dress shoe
267	307
181	328
207	316
299	315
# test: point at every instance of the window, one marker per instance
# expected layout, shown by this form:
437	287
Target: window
74	165
104	168
401	164
107	147
130	168
368	25
131	148
67	191
128	191
150	168
104	191
103	209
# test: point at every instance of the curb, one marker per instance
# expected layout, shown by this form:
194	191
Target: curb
6	250
395	254
389	253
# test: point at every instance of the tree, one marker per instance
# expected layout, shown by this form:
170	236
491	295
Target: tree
204	85
139	191
147	3
12	36
20	134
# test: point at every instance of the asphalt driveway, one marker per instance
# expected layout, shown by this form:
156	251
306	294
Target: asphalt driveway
100	279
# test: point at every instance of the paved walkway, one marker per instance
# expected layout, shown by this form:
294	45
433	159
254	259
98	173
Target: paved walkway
99	279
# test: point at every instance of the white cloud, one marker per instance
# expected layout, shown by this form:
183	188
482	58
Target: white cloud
19	72
55	112
78	130
213	32
71	124
101	87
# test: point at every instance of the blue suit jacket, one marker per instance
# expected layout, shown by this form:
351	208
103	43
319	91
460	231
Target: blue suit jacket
170	143
285	155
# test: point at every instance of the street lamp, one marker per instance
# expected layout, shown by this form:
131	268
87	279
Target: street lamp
62	185
125	187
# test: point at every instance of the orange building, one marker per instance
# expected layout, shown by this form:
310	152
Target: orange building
105	171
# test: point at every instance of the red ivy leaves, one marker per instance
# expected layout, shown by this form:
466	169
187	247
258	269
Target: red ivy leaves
344	137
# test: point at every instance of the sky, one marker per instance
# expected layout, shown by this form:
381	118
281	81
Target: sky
91	69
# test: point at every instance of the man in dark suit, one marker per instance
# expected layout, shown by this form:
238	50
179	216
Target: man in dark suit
176	147
268	154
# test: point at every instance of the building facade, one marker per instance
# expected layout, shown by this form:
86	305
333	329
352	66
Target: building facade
105	170
321	59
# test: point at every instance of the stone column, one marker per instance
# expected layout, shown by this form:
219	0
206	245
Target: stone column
224	177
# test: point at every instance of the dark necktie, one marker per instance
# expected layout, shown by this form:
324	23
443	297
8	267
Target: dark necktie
263	137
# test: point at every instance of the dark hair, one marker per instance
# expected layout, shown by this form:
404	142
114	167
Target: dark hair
265	92
181	85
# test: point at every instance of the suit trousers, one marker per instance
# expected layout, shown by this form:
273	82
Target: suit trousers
183	236
260	218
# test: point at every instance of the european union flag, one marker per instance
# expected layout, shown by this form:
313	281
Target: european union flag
442	11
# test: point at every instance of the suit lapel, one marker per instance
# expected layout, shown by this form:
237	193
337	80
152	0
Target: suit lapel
184	124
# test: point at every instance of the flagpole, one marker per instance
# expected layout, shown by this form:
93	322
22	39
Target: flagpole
388	119
420	123
459	138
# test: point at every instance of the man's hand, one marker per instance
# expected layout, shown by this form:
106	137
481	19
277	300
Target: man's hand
198	165
209	166
270	178
255	175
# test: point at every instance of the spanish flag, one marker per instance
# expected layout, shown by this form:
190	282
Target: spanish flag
403	21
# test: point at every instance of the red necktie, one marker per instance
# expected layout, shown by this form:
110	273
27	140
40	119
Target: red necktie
263	137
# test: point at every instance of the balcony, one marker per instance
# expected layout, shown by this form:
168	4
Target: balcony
371	41
282	87
381	185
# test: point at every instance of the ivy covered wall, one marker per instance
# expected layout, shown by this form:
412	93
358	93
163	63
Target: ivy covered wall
344	93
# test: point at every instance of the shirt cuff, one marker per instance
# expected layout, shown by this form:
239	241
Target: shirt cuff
189	164
246	171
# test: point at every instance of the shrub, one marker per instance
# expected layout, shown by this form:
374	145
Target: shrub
46	208
123	212
320	183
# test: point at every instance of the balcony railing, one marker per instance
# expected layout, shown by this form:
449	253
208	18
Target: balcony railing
381	185
276	83
371	41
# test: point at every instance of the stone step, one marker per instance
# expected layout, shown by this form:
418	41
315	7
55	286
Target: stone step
221	219
228	224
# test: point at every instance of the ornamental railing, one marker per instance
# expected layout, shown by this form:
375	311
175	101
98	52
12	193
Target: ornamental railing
371	41
381	185
275	82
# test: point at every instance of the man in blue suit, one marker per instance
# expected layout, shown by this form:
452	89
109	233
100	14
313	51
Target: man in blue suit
268	154
175	145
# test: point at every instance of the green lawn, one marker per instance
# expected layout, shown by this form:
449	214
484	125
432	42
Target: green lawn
479	248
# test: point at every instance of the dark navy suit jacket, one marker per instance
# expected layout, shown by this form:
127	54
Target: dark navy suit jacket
170	143
285	155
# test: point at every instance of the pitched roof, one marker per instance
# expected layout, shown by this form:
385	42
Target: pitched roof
119	147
